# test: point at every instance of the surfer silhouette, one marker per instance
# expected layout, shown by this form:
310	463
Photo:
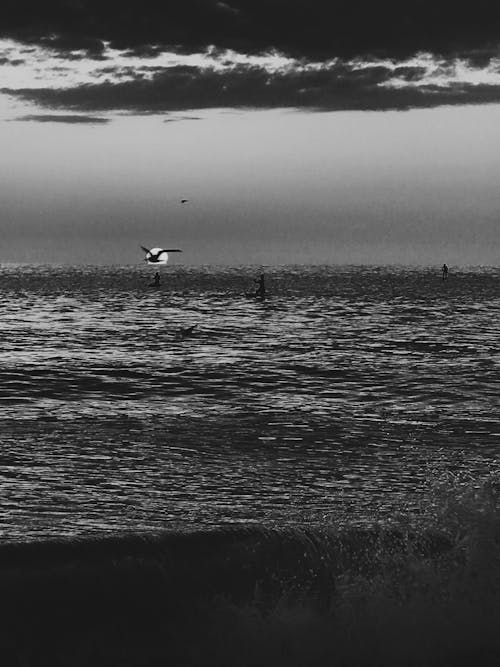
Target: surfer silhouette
261	289
156	280
445	271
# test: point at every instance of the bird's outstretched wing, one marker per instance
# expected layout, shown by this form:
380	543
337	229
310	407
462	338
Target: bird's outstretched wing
171	250
146	250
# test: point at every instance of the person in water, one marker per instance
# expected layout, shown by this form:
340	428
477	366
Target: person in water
261	289
445	271
156	280
184	332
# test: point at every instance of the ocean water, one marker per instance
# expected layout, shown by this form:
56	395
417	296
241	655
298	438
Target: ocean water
309	480
335	402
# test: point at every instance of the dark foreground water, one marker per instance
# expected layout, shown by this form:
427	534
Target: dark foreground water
334	401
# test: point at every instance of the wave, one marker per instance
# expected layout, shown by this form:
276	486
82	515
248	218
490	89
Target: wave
407	594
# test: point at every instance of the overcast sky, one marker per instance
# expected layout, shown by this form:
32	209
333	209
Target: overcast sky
301	131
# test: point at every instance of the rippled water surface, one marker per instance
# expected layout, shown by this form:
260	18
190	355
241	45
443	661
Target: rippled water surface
334	400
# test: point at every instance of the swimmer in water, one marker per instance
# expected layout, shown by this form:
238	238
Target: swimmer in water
445	271
184	332
261	290
156	280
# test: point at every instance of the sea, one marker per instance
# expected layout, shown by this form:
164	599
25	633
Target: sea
358	401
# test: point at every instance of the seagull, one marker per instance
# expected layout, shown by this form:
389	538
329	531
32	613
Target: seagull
184	201
158	255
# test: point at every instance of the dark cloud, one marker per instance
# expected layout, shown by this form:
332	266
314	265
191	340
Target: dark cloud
309	29
81	55
341	87
71	119
175	119
125	72
409	74
13	62
481	57
90	47
144	51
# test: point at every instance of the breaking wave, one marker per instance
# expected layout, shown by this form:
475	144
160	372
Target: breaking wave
416	592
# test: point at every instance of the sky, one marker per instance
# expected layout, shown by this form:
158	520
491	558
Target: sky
305	131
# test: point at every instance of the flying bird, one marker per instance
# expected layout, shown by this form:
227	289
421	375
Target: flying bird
184	201
158	255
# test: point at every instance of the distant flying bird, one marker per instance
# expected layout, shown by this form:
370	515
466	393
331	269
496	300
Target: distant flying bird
158	255
184	201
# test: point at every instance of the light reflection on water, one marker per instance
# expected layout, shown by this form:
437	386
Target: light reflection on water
334	400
